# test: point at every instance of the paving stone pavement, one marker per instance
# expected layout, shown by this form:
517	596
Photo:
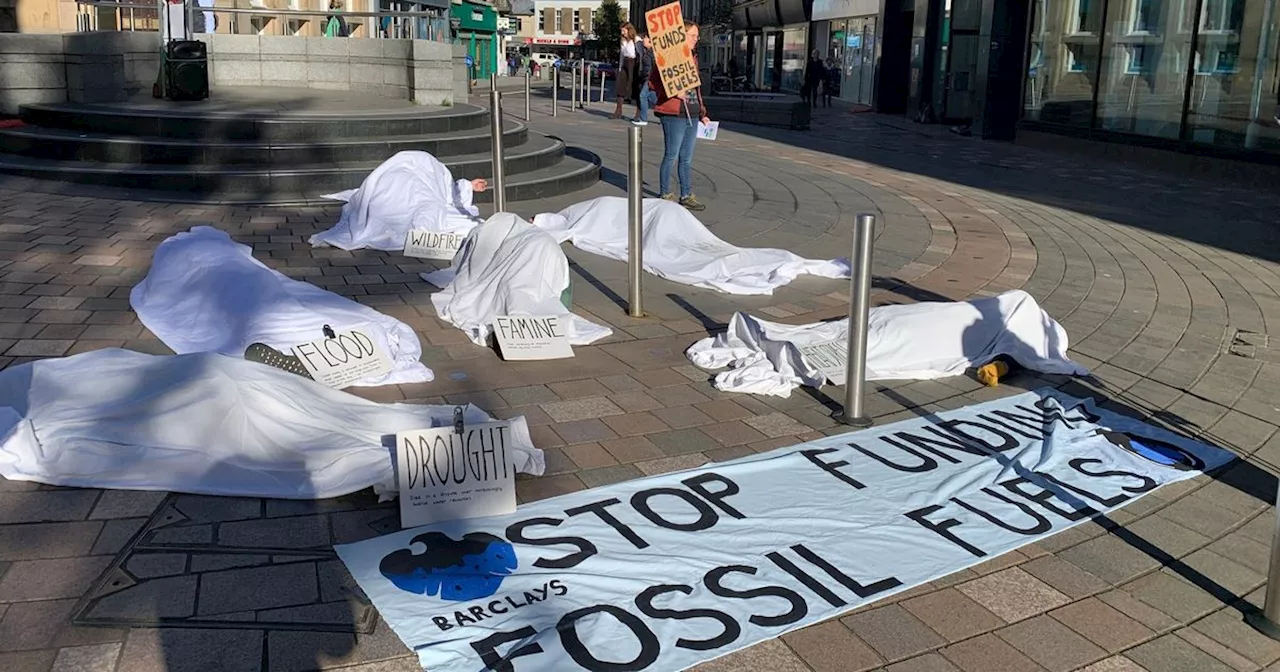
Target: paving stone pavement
1167	287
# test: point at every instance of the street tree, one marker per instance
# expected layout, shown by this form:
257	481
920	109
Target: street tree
608	28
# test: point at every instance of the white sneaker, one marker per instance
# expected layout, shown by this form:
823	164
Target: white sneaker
637	122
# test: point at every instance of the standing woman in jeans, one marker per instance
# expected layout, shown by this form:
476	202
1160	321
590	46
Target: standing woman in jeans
680	116
625	77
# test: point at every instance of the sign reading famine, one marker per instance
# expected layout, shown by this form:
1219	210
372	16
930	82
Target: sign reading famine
664	572
343	359
671	51
522	337
446	475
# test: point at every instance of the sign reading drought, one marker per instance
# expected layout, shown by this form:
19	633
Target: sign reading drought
344	358
526	337
432	244
447	475
671	53
664	572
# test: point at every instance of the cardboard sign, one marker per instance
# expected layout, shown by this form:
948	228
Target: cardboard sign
444	475
746	550
709	130
831	358
432	244
531	337
671	53
344	359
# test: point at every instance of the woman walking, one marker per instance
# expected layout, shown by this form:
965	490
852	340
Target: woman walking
680	115
622	83
814	74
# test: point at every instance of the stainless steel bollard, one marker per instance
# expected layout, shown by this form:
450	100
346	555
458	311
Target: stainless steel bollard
635	220
573	82
859	304
499	184
1267	621
528	89
602	86
584	82
555	92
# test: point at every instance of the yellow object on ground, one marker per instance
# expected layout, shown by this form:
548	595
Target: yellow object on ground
990	374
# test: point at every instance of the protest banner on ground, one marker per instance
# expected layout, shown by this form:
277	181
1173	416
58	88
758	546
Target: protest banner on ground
423	244
444	474
664	572
344	358
671	53
525	337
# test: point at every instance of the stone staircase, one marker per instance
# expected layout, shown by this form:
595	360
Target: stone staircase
257	154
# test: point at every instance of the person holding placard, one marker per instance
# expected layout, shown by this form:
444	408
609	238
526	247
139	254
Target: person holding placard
680	115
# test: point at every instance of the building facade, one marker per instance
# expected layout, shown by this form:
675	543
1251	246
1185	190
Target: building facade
476	26
561	26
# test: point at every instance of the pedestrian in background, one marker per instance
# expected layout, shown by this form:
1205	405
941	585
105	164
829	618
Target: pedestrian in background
626	75
831	85
814	74
645	97
680	115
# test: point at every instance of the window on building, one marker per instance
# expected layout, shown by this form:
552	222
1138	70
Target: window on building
559	19
577	21
1135	62
542	22
1087	16
592	27
1073	64
1145	17
1222	15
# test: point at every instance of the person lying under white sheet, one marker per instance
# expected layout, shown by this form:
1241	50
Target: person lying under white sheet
679	248
409	191
920	341
507	266
206	293
206	424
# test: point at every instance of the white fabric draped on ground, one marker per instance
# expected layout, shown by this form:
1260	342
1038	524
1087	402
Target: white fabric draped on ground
679	248
919	341
409	191
507	266
206	293
205	424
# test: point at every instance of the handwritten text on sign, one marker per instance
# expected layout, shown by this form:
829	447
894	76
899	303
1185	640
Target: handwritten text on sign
671	51
432	244
831	358
344	359
531	337
444	475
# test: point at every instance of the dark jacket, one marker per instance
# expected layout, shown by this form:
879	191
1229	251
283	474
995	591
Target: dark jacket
669	105
644	61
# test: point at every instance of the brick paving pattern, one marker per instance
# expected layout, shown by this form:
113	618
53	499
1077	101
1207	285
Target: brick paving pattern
1167	287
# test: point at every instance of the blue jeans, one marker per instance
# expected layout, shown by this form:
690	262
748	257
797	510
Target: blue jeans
678	135
648	98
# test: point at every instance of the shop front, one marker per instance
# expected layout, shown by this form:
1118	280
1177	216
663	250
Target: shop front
477	27
777	57
844	31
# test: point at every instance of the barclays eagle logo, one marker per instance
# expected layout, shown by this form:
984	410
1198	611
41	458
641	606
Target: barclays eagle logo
455	570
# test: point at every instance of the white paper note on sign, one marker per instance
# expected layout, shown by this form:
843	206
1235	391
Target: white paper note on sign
831	358
522	337
432	244
444	475
709	130
345	358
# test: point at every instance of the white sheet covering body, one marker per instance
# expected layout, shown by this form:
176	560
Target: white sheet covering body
206	293
679	248
409	191
507	266
206	424
916	342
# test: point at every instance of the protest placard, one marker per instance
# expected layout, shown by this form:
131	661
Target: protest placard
446	475
671	52
432	244
831	358
344	358
527	337
709	130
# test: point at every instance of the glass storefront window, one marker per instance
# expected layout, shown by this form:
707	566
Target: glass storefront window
794	57
1157	71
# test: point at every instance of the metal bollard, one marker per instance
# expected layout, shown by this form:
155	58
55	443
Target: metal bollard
602	86
1267	621
573	82
528	88
635	220
555	92
495	131
859	300
584	82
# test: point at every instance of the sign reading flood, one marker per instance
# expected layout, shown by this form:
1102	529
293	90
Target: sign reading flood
343	359
444	475
671	53
526	337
